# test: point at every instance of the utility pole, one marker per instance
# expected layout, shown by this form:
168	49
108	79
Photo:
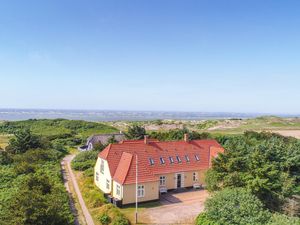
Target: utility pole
136	188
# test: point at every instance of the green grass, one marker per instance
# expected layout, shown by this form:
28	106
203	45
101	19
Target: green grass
58	127
129	211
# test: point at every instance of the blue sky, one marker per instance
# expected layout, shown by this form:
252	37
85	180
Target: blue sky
211	56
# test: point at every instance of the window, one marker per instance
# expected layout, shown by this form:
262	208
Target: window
107	184
102	166
141	191
151	161
187	159
178	159
197	157
162	180
195	176
171	159
118	190
162	161
97	176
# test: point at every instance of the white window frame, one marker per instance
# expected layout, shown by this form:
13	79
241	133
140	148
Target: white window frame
195	176
141	191
178	159
118	190
197	157
102	166
151	161
108	184
97	176
162	160
171	159
187	158
162	180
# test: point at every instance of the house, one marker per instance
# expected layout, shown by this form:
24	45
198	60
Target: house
101	139
161	166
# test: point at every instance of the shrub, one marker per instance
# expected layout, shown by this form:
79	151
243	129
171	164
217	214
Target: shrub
84	160
280	219
104	219
203	219
120	220
117	218
235	206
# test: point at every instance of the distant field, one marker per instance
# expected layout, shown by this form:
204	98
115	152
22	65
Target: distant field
221	126
4	140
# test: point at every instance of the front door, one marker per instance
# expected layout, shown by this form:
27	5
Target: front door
178	180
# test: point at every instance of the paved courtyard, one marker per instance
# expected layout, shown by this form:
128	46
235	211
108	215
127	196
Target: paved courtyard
176	208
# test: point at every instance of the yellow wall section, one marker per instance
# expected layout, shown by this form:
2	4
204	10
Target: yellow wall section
114	192
151	192
187	180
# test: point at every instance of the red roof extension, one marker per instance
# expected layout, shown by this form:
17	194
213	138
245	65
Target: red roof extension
121	158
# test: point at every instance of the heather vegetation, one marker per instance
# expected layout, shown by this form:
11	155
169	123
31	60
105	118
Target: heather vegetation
31	184
31	187
257	168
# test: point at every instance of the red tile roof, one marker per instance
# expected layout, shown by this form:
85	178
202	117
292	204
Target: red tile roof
123	167
121	158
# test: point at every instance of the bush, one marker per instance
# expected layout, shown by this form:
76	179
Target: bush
120	220
235	206
203	219
104	219
117	218
5	158
280	219
84	160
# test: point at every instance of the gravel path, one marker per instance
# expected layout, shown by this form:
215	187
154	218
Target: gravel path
70	175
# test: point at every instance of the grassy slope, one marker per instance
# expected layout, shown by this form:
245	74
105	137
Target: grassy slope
48	127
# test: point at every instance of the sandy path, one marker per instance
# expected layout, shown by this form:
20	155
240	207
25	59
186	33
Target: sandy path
291	133
67	162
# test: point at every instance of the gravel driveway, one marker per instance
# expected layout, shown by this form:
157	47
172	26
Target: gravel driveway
176	208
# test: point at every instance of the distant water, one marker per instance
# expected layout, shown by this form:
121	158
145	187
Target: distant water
107	115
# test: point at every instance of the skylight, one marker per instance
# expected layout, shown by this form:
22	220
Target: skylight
151	161
162	161
178	159
187	158
171	159
197	157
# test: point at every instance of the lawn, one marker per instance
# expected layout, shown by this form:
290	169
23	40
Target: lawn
129	211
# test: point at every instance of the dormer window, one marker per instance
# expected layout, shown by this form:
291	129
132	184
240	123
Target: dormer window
171	159
162	161
151	161
187	159
197	157
178	159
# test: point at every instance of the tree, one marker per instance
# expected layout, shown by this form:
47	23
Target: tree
5	158
268	165
39	202
23	141
135	132
234	207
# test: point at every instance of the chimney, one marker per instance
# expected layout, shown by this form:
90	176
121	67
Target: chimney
186	137
146	139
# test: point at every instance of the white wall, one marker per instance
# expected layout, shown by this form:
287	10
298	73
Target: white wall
101	183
